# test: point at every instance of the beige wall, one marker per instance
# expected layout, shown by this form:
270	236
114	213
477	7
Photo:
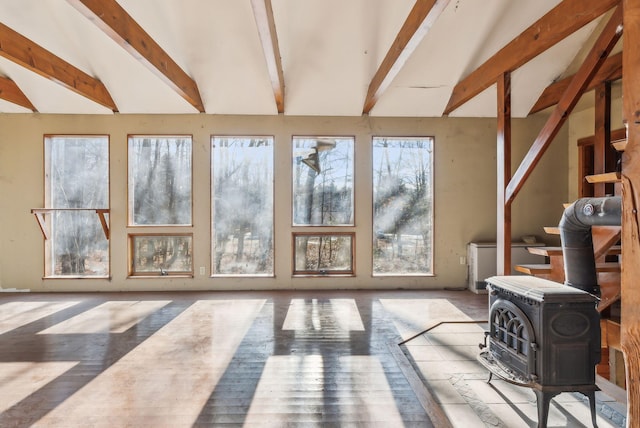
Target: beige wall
465	189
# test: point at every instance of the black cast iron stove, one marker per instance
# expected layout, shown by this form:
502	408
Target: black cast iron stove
543	335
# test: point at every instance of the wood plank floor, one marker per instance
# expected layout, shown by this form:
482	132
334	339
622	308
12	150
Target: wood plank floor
216	359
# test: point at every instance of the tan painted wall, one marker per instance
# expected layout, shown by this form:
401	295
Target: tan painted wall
465	189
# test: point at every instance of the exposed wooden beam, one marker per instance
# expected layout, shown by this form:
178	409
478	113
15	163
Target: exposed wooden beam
17	48
602	136
630	325
558	23
611	70
111	18
10	91
503	231
596	56
263	13
421	18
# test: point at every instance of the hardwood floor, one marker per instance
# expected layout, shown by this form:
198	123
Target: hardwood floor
218	358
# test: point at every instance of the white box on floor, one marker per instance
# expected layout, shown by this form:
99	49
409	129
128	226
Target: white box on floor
481	261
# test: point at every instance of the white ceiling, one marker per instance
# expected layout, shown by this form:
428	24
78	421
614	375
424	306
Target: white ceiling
330	51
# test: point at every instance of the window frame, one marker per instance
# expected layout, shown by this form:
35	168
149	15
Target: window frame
353	180
103	215
130	186
321	272
212	250
431	264
132	273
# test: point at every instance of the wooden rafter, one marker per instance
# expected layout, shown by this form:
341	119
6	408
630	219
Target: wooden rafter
422	16
17	48
263	14
611	70
630	324
111	18
600	51
11	92
540	36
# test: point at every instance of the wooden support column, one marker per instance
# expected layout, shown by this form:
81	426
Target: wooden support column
503	231
602	133
600	51
630	325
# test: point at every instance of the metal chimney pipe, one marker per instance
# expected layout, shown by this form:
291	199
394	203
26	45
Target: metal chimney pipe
577	243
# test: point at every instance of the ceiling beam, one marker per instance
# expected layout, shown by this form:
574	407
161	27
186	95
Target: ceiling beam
17	48
421	18
561	21
10	91
611	70
263	14
594	59
111	18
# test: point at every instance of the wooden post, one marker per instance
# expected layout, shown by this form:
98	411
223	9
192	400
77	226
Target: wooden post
602	133
503	231
630	325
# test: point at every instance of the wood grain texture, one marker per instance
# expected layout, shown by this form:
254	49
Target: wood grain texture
10	91
185	359
630	325
594	59
263	14
540	36
17	48
111	18
610	71
503	246
422	16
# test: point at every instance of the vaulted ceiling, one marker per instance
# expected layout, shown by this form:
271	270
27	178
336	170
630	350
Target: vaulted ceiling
424	58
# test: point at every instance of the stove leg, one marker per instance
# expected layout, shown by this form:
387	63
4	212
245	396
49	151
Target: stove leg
543	399
592	405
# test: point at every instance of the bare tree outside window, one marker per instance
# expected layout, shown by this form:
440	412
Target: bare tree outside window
160	180
162	254
323	181
76	181
323	254
402	206
242	198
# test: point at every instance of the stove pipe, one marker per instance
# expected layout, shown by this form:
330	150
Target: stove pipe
577	243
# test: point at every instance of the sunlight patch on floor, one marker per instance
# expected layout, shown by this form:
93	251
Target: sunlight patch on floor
17	314
170	374
109	317
19	380
309	315
413	316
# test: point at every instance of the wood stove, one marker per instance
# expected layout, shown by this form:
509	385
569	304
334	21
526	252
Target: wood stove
542	335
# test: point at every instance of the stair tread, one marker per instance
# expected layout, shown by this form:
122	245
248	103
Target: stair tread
557	251
607	177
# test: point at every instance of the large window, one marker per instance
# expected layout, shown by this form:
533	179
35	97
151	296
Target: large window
161	255
323	181
402	206
159	180
323	253
76	202
242	198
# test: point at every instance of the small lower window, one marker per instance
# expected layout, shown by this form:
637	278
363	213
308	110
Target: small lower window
161	255
323	254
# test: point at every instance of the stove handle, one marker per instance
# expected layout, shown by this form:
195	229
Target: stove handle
484	345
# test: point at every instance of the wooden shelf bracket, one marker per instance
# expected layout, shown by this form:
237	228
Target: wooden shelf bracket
39	214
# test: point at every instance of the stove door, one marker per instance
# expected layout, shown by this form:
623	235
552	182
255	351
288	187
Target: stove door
512	339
